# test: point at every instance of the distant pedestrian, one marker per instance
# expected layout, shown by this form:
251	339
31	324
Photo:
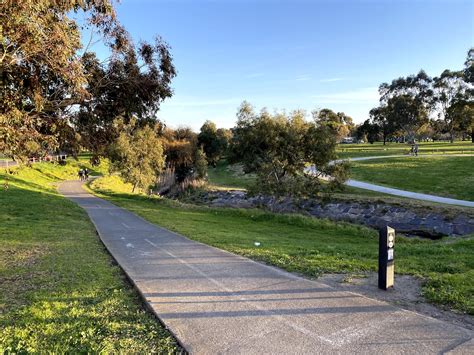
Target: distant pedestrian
81	174
412	150
415	149
86	173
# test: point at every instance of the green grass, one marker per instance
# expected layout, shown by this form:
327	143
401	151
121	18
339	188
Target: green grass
443	176
378	149
60	291
310	246
229	176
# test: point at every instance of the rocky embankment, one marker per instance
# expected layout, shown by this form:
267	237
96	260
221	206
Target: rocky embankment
405	220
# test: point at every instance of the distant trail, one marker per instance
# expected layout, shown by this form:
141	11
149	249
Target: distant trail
404	193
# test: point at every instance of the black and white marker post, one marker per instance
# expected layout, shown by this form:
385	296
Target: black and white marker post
386	256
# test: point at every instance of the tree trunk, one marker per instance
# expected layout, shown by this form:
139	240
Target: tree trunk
472	135
134	187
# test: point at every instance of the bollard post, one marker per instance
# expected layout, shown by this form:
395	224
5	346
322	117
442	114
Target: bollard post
386	258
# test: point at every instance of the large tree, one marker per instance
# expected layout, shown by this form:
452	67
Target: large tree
407	102
469	67
137	154
41	71
383	121
132	84
278	148
340	123
406	114
51	91
450	91
214	141
182	156
462	113
208	140
368	130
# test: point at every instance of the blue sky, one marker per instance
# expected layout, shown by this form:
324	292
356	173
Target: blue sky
296	54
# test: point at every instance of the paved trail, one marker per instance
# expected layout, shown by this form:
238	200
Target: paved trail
217	302
404	193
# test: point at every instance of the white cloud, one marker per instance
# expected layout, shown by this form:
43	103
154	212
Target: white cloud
255	75
358	96
303	78
330	80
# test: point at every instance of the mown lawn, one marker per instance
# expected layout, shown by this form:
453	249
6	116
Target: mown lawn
60	292
310	246
229	176
378	149
443	176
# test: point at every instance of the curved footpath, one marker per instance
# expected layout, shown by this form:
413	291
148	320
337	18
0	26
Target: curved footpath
217	302
404	193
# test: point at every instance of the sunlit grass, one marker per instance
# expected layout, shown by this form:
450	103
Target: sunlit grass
443	176
60	291
229	176
378	149
311	246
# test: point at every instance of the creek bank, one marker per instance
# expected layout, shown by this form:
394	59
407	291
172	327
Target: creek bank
405	220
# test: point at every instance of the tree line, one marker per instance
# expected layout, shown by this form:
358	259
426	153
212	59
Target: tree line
57	95
425	107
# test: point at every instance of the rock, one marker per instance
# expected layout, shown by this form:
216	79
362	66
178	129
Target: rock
374	215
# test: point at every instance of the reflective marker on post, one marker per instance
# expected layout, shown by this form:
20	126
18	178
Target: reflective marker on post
386	257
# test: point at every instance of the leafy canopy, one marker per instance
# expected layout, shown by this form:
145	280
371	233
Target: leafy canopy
40	69
279	147
214	141
137	155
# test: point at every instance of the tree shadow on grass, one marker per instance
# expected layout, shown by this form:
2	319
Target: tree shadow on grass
16	183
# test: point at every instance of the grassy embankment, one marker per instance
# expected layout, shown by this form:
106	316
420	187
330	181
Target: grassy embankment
227	176
307	245
442	176
378	149
59	289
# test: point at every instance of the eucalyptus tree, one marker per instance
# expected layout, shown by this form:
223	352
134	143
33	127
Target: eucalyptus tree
340	123
450	92
41	71
133	83
469	67
407	102
55	92
383	120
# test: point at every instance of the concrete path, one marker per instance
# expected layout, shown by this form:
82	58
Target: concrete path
405	193
409	194
217	302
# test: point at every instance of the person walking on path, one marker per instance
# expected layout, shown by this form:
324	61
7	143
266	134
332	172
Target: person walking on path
415	149
86	173
81	174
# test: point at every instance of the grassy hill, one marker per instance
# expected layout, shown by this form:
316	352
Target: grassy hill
59	289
